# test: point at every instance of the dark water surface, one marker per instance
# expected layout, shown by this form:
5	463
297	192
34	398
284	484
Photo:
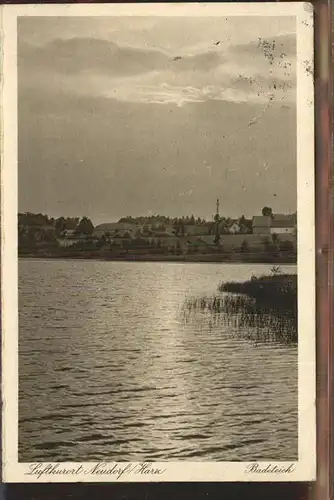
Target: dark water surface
109	369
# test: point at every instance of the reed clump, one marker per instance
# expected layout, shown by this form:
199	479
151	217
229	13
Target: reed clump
265	307
279	292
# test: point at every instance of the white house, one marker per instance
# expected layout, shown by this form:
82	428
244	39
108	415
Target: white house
234	228
282	224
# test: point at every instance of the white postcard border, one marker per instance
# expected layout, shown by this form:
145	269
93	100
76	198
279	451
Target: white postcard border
301	470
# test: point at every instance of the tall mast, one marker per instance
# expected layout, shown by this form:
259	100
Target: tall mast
217	223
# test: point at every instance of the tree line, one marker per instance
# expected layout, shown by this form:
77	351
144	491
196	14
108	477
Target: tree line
41	222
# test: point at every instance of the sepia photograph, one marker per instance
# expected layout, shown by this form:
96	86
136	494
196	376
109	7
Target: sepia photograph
159	224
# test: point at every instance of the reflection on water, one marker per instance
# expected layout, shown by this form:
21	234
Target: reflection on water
109	369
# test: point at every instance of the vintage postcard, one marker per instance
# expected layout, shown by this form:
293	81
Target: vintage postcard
158	275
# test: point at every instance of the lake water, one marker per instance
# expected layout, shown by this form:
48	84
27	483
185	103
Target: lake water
109	370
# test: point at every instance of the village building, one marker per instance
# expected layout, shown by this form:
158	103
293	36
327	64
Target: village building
261	224
234	228
282	224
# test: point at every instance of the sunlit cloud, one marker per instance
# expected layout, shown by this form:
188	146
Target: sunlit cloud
261	70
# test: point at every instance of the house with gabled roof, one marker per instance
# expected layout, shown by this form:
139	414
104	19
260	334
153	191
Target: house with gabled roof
261	224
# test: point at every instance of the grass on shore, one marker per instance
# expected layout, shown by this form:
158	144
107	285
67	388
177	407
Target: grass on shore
278	291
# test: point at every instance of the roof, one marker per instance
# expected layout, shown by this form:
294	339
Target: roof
284	216
261	221
283	221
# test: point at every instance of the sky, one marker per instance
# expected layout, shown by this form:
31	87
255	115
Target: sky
138	116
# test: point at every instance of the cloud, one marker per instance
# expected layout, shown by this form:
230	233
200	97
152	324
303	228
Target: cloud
257	71
79	55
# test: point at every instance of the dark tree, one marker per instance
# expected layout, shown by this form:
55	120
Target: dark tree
267	211
85	227
60	225
72	222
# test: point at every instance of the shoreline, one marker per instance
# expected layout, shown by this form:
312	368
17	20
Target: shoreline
221	259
